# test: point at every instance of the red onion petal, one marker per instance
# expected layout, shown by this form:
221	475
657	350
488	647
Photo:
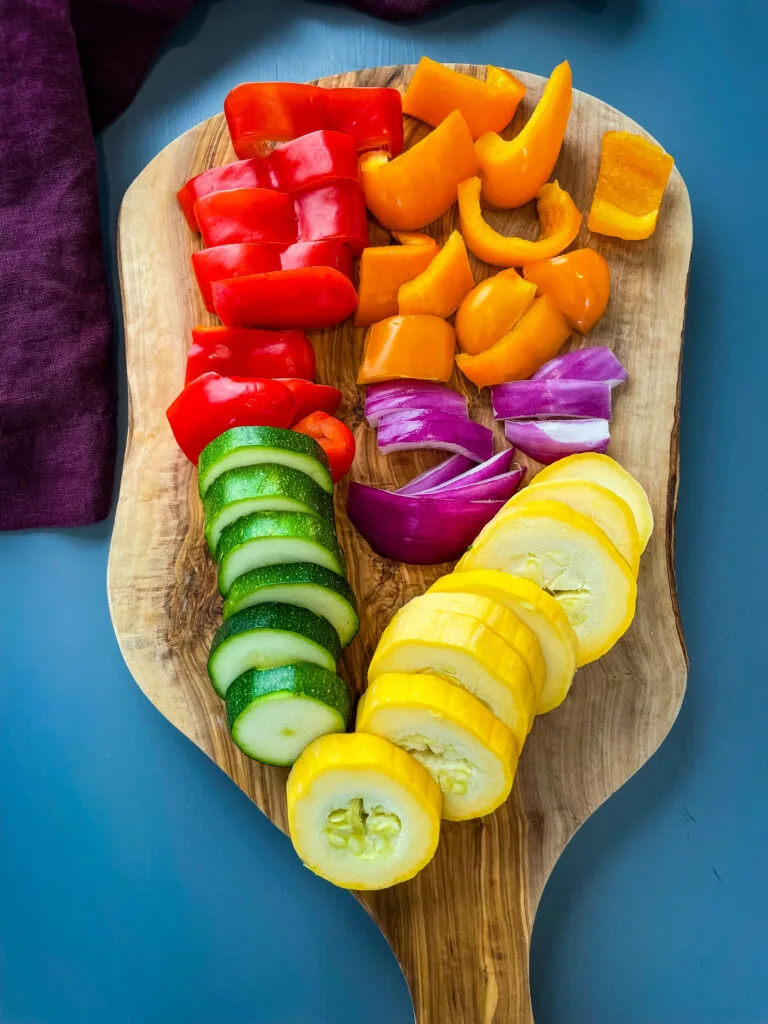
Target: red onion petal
442	473
550	440
537	399
594	363
399	432
500	487
493	467
449	402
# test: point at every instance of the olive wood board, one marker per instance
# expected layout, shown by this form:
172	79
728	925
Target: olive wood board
461	929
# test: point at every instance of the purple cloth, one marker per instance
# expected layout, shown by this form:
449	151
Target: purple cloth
68	67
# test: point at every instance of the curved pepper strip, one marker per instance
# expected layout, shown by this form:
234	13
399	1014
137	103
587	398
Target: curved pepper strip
310	298
441	287
238	352
538	335
435	91
260	112
630	186
558	218
491	309
383	268
334	211
421	184
410	347
513	172
579	284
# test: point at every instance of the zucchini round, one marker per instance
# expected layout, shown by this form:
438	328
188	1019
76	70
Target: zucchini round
252	446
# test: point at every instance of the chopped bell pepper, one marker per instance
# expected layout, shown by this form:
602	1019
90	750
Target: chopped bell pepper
334	437
579	284
252	173
417	187
435	91
558	218
260	112
513	172
537	336
334	211
327	252
246	215
211	404
383	268
491	309
311	298
238	352
415	347
439	289
630	186
309	397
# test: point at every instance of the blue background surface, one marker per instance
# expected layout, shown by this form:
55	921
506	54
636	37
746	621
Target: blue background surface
138	885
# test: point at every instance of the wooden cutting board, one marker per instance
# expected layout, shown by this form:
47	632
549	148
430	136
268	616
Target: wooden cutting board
461	930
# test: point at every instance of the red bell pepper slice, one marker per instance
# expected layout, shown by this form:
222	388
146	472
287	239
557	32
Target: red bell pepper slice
259	112
312	298
246	215
309	397
238	352
212	404
240	174
325	253
319	156
334	437
333	211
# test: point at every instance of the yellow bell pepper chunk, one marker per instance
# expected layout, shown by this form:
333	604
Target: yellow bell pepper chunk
439	289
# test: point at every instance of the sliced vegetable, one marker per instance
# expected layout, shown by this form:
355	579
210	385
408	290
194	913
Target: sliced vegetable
421	184
273	714
498	465
276	538
540	612
578	282
439	290
312	158
309	397
542	399
404	431
334	437
406	395
238	352
246	215
435	91
211	404
605	471
513	172
362	813
310	298
304	584
439	474
537	336
333	210
255	446
268	636
597	363
410	347
558	218
326	252
265	488
463	650
499	487
403	526
252	173
630	186
470	754
549	440
567	555
383	268
491	309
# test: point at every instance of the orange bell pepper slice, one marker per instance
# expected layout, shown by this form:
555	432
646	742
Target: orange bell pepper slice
435	91
558	218
579	284
491	309
513	172
441	287
383	268
633	175
537	336
416	347
418	186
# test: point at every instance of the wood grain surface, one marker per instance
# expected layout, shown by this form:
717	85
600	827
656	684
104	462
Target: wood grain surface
461	930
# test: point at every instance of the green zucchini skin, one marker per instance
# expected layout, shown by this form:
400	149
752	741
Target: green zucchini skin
302	583
265	488
248	446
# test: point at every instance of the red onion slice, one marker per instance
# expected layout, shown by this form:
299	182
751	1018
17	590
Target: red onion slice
541	399
500	487
493	467
417	529
595	363
410	396
400	432
550	440
439	474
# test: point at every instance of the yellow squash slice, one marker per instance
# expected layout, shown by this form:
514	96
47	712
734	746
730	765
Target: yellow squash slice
572	559
539	611
604	470
362	813
464	651
469	753
604	507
